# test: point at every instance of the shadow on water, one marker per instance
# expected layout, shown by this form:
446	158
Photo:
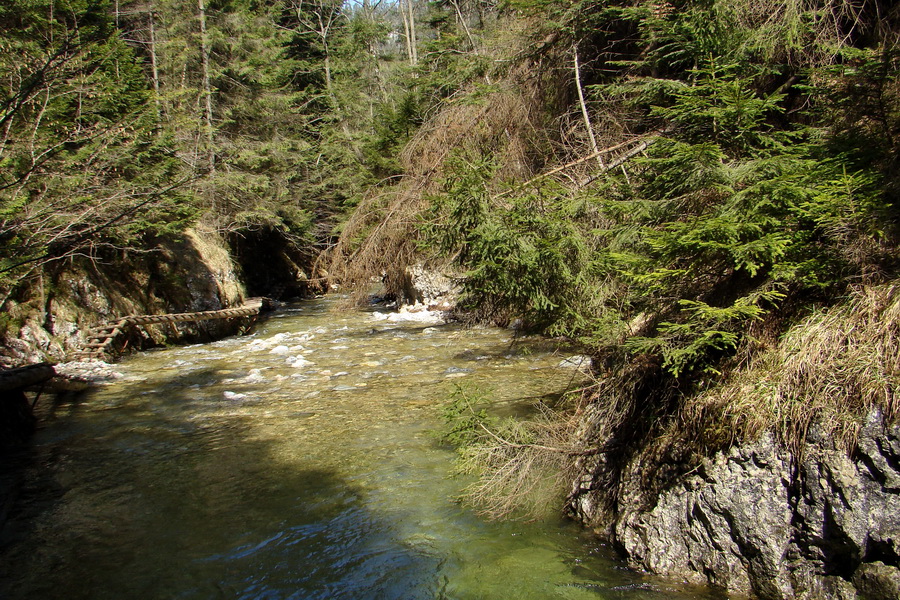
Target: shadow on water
223	471
141	498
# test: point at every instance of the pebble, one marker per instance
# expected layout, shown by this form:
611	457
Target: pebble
255	376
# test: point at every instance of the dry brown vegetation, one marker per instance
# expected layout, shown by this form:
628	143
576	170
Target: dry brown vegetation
503	117
830	371
523	468
380	238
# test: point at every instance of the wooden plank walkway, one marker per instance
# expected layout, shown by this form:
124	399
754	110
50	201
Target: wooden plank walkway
25	377
40	377
100	338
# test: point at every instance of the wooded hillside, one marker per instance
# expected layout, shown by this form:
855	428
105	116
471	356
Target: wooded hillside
125	123
700	193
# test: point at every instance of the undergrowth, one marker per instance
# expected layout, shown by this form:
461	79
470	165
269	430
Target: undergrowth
522	468
829	372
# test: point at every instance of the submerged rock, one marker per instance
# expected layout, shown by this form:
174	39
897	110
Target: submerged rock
577	362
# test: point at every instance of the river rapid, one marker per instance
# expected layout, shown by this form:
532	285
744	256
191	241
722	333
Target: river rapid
297	462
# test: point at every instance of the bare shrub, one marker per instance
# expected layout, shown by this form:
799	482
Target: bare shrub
523	467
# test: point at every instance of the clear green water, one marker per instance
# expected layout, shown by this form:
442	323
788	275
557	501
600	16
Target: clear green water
231	470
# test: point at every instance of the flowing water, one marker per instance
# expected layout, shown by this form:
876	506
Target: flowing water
297	462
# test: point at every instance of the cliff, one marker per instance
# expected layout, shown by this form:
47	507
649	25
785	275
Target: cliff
756	520
781	480
45	319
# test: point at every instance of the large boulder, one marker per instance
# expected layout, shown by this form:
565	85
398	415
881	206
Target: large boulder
430	287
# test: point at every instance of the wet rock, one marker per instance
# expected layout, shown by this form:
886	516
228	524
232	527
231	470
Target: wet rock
94	371
811	584
430	288
255	376
298	362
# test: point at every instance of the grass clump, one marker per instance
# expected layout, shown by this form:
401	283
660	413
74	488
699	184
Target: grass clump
830	371
522	469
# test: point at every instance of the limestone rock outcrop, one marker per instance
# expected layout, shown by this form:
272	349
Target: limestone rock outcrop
756	520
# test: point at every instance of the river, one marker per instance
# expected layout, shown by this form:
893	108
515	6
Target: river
297	462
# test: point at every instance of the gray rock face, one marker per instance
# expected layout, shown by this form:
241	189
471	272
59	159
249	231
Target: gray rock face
191	273
729	524
752	521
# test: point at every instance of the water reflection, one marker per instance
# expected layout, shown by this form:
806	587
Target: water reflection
295	463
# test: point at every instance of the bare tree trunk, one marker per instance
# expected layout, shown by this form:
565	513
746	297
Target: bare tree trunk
154	66
207	88
584	111
406	33
412	32
465	26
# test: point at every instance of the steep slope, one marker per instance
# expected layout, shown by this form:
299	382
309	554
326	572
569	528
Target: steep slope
702	194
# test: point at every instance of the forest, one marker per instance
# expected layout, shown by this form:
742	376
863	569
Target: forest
700	194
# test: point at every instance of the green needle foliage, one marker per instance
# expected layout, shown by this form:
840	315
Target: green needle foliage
748	200
80	165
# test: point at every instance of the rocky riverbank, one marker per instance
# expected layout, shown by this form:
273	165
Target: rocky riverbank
762	521
193	272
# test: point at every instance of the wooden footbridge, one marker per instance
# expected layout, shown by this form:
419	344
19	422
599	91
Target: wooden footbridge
101	338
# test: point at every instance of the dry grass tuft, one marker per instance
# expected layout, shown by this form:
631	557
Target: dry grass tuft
525	468
829	371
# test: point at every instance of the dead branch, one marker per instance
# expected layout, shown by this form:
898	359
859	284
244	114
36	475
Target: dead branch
642	143
567	451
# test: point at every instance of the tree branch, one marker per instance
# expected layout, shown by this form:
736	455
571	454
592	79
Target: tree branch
642	144
568	451
69	247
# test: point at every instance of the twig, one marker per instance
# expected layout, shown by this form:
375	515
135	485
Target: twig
569	452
